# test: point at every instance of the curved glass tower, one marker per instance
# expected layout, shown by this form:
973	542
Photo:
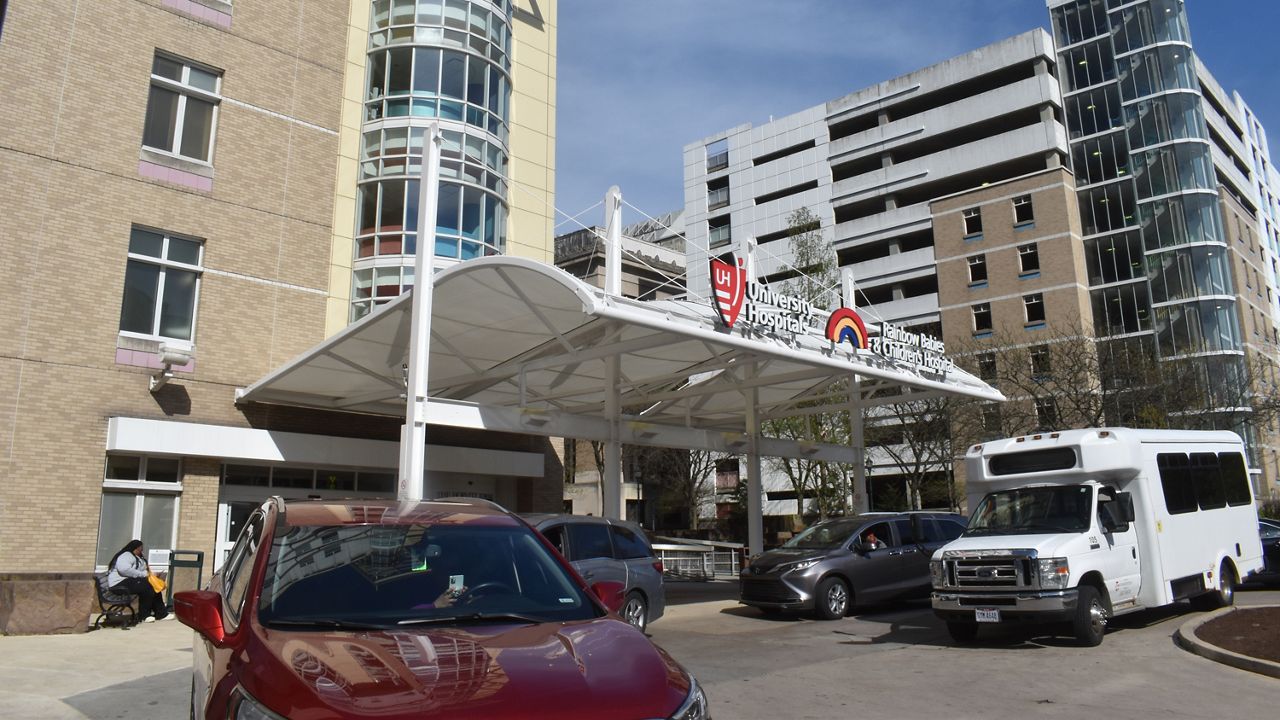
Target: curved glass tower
431	60
1148	192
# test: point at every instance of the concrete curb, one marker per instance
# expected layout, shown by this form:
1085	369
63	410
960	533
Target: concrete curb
1186	638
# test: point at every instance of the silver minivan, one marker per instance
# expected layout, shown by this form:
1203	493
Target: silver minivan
615	550
835	564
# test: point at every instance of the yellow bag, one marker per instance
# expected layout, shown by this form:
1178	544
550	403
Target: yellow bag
157	583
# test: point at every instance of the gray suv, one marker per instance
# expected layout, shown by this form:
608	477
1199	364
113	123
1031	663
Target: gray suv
862	559
616	550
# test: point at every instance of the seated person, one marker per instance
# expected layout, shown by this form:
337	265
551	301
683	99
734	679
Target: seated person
128	574
871	542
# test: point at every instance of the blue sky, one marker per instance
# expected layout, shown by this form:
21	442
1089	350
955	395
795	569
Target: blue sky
640	79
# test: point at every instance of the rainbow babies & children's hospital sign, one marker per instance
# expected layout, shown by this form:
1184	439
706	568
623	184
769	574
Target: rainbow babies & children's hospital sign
735	296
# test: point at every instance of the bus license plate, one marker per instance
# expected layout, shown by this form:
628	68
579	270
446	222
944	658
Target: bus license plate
987	614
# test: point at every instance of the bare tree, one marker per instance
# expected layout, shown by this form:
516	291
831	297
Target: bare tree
687	479
816	280
917	437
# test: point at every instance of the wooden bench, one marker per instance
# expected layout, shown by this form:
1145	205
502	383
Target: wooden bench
116	606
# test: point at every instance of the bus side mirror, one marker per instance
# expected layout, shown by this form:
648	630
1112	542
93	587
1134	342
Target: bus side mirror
1125	502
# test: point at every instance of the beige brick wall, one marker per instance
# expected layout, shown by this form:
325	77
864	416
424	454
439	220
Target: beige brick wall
1062	279
75	79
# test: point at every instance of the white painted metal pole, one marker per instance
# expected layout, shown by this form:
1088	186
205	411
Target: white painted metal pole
613	241
413	437
857	435
857	439
611	501
755	484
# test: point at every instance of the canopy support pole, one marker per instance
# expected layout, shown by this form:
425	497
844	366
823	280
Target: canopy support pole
857	427
613	241
857	440
755	484
413	436
611	483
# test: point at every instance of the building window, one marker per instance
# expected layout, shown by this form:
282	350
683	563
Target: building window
1040	364
182	109
1046	413
987	366
977	269
718	155
718	193
161	285
718	231
982	317
139	500
991	419
1034	305
1028	258
972	222
1022	212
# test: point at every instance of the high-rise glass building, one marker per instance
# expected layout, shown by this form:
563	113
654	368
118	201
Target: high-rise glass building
1143	158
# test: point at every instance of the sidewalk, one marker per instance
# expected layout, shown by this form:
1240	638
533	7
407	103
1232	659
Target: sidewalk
99	674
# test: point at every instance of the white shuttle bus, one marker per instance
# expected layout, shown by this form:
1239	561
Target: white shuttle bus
1077	526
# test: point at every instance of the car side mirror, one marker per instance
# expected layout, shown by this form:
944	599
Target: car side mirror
609	593
201	610
1125	501
859	547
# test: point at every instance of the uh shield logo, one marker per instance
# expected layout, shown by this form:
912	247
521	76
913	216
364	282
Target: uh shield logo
730	286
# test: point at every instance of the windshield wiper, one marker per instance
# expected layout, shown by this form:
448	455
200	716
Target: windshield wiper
331	623
474	617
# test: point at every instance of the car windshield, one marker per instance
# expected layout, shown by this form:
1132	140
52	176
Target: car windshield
823	535
384	575
1061	508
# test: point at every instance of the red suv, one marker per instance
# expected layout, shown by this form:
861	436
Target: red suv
449	608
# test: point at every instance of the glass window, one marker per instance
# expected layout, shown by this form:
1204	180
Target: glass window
627	545
1207	479
161	284
1028	258
150	517
387	574
987	365
182	109
1121	310
1115	258
1034	307
1175	480
991	419
1046	413
255	475
239	568
972	221
1040	362
978	268
1022	210
717	155
555	536
982	317
1235	479
589	540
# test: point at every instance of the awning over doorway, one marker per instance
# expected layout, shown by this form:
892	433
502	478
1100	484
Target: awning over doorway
522	346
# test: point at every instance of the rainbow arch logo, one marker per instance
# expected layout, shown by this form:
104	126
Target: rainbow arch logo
845	324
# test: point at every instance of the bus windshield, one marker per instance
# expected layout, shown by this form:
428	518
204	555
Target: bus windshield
1058	508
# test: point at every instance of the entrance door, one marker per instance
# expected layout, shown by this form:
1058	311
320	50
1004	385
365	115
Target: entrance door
231	519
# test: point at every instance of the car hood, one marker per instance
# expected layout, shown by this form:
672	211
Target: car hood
773	558
601	668
1045	545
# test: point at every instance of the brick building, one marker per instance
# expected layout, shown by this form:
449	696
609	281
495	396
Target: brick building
190	170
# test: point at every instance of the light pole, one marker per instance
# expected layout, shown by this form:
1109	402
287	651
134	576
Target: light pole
868	465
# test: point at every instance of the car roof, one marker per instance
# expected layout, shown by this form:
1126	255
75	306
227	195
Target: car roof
449	511
540	519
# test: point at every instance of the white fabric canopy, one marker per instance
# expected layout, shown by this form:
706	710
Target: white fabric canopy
514	338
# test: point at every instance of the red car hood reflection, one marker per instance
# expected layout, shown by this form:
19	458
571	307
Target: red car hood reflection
598	669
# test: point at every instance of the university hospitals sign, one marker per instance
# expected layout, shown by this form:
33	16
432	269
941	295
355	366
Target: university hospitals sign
736	296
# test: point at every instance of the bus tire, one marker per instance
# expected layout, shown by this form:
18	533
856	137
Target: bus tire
1090	622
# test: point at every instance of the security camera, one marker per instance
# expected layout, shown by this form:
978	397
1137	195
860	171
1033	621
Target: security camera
169	355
